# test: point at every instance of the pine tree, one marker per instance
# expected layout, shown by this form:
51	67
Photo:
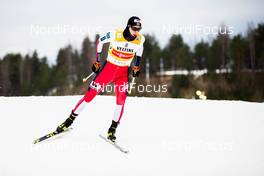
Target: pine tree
12	74
43	77
65	70
201	52
152	52
238	52
176	54
259	46
86	59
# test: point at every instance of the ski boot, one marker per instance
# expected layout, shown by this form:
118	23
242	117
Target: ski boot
65	125
111	131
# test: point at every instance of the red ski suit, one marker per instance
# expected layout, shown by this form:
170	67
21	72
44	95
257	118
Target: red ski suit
109	73
120	55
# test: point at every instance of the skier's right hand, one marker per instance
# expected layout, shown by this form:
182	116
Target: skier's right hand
96	67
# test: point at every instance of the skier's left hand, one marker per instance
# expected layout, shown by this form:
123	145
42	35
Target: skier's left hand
135	71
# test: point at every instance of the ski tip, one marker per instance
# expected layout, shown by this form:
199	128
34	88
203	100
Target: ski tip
35	141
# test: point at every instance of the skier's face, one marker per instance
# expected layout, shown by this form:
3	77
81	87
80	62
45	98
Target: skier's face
134	30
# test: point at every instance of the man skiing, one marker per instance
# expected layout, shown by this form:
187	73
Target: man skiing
124	46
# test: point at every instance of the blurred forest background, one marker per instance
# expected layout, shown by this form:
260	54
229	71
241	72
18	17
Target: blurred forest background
230	68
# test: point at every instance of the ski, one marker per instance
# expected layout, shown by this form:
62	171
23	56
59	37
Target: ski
54	133
113	144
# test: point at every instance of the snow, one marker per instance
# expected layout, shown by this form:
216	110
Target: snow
164	137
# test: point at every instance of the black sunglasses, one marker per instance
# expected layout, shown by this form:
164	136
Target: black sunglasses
135	28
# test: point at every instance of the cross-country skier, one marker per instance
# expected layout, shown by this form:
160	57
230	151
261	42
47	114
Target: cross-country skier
125	45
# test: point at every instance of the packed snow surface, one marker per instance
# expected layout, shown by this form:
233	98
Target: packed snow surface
164	137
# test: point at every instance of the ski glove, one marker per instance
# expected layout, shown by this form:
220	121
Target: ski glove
96	67
135	71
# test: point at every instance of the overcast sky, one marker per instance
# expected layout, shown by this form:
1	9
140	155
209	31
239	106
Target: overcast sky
48	25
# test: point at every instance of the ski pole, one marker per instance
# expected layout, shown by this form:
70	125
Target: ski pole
85	79
131	86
